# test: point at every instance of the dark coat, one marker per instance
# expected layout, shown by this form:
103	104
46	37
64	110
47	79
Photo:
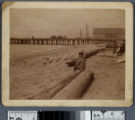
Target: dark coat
80	63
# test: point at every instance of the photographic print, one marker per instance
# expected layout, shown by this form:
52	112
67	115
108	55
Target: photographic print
72	52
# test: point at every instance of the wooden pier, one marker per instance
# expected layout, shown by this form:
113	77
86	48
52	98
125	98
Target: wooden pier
47	41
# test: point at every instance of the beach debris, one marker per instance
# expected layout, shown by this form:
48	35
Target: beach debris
120	59
51	60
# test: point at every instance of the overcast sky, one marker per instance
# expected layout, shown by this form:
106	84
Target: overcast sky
47	22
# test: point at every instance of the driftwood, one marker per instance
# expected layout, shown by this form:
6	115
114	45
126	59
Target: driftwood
59	86
87	55
77	87
54	91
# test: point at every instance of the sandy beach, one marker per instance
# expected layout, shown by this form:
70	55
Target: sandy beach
36	68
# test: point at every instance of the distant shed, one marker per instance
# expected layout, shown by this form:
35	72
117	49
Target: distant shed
109	33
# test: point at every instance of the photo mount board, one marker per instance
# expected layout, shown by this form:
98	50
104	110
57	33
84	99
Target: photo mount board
127	6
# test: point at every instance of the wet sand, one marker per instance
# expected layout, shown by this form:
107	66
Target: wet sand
36	68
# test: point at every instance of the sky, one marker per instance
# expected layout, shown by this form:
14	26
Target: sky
43	23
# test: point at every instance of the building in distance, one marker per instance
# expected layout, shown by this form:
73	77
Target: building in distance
109	33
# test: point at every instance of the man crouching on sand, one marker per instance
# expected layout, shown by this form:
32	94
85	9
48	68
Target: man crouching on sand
80	62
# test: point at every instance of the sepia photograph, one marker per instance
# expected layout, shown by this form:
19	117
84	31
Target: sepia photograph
76	54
